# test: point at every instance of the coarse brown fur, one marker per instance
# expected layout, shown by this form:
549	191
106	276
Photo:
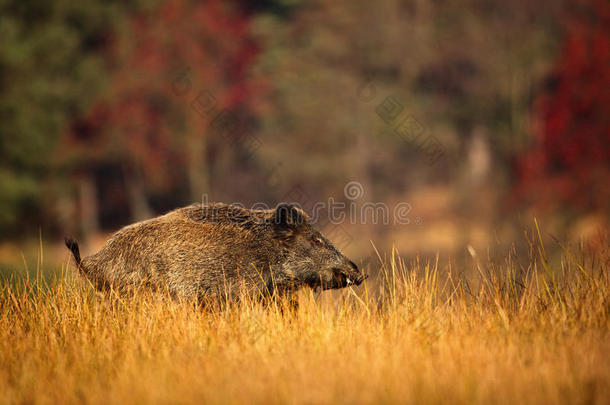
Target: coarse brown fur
202	251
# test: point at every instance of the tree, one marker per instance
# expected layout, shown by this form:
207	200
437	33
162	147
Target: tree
50	69
569	164
179	70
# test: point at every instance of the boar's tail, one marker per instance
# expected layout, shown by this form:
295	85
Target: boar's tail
73	246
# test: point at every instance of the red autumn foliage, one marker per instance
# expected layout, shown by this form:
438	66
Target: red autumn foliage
141	122
569	163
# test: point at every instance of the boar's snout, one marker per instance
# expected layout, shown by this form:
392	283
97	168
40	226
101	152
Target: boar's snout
357	277
351	275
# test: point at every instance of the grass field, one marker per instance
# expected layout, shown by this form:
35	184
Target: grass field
414	334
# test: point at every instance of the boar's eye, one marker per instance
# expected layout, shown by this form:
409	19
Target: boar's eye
316	241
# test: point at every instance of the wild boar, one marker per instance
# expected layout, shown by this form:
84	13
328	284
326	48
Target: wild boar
218	249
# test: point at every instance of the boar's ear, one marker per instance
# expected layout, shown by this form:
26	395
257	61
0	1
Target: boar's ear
287	220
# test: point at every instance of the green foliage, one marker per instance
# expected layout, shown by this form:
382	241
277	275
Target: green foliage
50	69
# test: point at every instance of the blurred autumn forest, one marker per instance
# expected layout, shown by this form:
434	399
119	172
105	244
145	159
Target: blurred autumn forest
478	114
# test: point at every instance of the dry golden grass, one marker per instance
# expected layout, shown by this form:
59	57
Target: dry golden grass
416	334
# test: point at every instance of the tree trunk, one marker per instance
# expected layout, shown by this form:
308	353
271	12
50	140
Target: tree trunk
136	194
88	205
198	170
